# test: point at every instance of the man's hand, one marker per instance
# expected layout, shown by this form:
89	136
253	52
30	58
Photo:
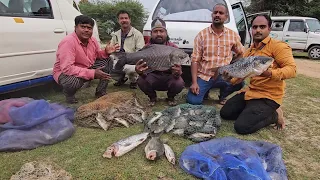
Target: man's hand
176	70
267	73
99	74
141	67
112	48
195	89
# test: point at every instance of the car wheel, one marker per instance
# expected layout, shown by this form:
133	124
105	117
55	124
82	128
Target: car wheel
314	52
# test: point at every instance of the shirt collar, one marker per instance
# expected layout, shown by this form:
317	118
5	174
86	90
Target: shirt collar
211	30
265	41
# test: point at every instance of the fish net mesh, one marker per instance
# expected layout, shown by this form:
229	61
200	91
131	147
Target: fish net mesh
123	102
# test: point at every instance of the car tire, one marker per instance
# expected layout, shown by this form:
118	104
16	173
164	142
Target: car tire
314	52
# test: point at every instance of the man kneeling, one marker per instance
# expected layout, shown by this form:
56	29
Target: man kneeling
258	105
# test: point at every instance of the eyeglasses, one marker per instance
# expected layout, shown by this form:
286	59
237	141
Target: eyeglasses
260	26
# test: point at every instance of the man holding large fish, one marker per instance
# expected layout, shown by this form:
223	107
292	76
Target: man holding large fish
258	105
168	79
213	47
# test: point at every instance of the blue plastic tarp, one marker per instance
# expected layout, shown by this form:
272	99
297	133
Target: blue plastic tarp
35	124
234	159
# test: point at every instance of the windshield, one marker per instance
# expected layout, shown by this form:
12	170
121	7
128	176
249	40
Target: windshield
314	24
186	10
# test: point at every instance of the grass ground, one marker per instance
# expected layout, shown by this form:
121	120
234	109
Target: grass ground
81	155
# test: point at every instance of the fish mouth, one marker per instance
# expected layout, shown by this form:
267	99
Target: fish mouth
152	155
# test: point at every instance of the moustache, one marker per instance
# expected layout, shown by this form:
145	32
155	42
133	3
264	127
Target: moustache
258	34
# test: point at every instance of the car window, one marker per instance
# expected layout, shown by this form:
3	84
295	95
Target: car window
277	25
26	8
296	26
186	10
314	24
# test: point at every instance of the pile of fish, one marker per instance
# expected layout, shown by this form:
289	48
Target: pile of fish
154	149
117	109
195	122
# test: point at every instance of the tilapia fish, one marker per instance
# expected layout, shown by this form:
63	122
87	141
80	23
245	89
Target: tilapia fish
157	57
245	67
123	146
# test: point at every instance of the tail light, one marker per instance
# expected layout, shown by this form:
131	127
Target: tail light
146	36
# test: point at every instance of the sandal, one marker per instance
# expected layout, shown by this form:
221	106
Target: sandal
171	102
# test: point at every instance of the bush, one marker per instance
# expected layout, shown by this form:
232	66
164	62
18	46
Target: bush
105	14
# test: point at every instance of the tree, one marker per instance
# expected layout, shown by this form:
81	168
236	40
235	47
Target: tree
105	14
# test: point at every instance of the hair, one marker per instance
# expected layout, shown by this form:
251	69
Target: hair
220	4
123	12
83	19
265	16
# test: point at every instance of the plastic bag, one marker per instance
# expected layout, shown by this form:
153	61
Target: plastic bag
35	124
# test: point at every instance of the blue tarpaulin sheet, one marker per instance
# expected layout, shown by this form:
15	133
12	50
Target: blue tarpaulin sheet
230	158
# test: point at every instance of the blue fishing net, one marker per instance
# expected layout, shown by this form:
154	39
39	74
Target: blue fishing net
35	124
233	159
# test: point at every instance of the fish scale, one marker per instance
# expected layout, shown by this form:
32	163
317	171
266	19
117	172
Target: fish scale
157	57
247	67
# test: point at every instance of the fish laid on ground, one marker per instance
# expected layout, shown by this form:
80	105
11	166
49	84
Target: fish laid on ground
122	121
102	122
169	154
125	145
157	57
245	67
153	119
154	149
199	137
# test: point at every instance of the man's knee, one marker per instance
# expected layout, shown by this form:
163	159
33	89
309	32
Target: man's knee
177	84
225	113
142	83
194	99
241	128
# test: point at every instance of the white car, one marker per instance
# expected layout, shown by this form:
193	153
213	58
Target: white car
30	33
301	33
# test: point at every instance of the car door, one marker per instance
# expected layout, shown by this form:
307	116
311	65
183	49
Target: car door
30	33
241	23
296	35
277	28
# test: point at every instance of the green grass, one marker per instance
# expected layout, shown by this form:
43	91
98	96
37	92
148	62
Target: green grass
81	155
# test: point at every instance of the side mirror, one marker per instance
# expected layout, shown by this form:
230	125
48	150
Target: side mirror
306	30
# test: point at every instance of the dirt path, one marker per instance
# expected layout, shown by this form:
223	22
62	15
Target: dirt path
308	67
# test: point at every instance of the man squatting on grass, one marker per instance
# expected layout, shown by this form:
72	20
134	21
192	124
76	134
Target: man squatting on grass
169	80
258	105
79	59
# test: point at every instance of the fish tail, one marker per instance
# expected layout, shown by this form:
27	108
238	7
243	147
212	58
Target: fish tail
119	60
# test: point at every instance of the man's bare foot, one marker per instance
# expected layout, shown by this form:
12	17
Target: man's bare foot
281	122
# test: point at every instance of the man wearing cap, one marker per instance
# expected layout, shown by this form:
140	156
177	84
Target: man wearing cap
170	80
130	40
